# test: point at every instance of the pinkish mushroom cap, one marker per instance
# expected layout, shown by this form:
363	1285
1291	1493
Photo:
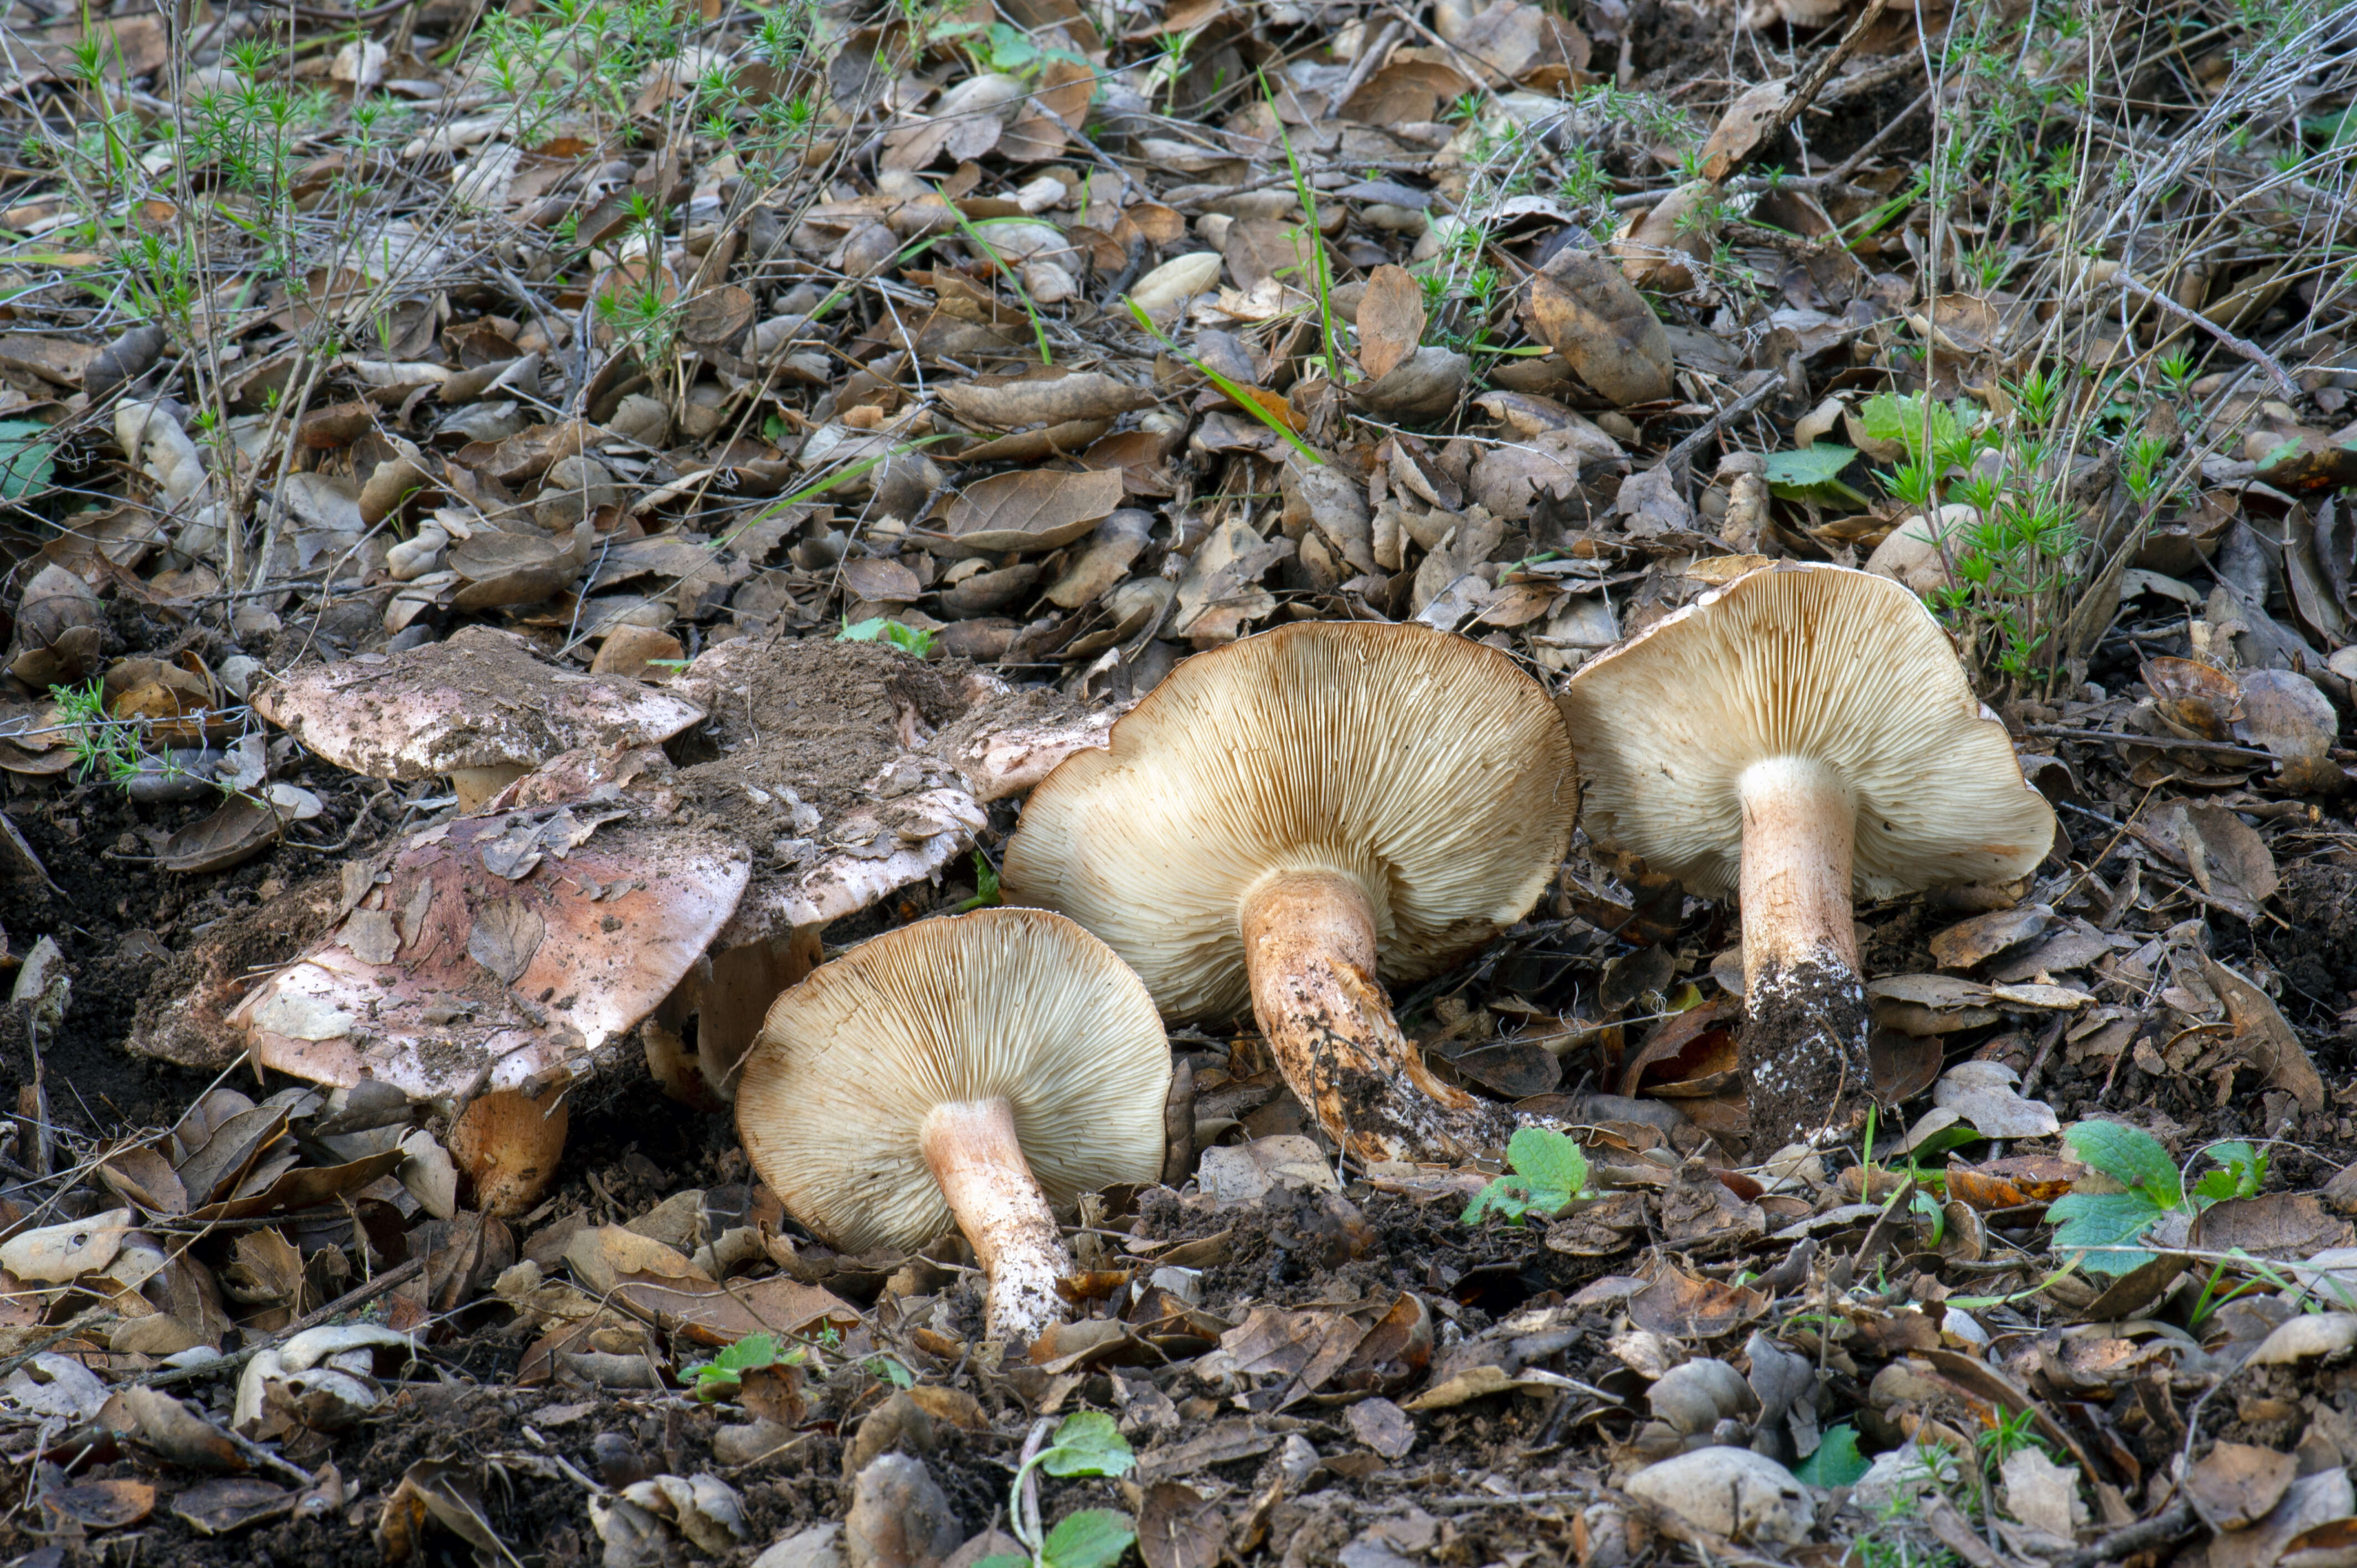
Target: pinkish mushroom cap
501	950
481	706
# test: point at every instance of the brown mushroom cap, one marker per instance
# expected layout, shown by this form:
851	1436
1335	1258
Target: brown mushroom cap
1018	1004
1426	769
1835	666
481	699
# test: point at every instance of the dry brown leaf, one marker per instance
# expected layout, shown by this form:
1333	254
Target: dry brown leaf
1737	136
1390	320
1012	402
1585	309
2265	1039
1028	510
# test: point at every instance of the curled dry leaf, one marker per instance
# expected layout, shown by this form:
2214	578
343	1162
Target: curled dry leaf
1656	247
1009	403
603	930
1179	278
1732	1493
1390	320
1422	387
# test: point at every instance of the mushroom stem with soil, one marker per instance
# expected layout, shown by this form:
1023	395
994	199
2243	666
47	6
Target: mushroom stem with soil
1309	954
1801	977
972	1148
1798	737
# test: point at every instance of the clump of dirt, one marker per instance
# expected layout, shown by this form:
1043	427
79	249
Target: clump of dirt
1803	1044
813	721
2316	948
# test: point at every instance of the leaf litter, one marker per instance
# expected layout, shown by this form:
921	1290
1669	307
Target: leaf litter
733	455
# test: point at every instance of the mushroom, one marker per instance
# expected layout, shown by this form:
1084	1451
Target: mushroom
500	956
479	706
1279	817
986	1069
1802	733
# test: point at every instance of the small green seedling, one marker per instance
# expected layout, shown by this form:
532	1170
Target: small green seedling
1814	474
2108	1224
907	639
986	886
723	1376
1550	1172
1087	1444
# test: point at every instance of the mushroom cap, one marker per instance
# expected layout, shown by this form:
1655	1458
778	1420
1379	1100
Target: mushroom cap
481	698
1795	659
1015	1003
1425	767
497	950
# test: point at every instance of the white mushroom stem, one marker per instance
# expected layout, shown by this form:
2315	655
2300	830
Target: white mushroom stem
1805	1015
1310	952
978	1161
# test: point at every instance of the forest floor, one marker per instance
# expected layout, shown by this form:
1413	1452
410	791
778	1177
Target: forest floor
890	397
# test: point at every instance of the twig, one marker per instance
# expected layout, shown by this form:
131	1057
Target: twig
2128	1539
2241	346
1679	454
2159	742
399	1273
1364	67
1812	82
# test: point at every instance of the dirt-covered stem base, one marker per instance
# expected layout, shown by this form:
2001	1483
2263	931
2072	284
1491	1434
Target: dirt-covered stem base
976	1158
1309	951
1804	1047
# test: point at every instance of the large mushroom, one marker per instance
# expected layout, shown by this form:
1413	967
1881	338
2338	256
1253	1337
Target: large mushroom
1282	818
986	1069
1800	735
479	706
492	960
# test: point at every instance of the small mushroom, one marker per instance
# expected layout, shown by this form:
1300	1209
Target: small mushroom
1801	733
986	1068
479	706
1279	817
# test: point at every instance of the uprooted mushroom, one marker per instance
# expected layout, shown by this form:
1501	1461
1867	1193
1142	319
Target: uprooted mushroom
493	959
844	773
986	1069
479	707
1801	733
1277	820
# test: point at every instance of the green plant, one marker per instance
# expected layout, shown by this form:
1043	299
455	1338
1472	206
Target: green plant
1307	237
986	886
723	1376
1086	1443
1239	395
27	459
1814	474
2008	1433
2105	1226
1550	1174
1836	1462
2013	572
907	639
2175	370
